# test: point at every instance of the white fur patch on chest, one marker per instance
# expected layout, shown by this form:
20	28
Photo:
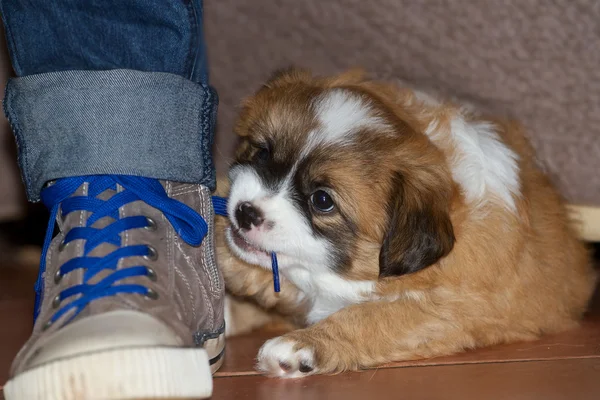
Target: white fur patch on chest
328	291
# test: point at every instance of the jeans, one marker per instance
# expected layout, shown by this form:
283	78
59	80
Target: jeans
109	87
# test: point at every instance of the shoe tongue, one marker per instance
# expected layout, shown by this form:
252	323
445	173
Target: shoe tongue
107	194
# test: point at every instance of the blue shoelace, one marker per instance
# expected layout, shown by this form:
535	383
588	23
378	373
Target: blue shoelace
188	224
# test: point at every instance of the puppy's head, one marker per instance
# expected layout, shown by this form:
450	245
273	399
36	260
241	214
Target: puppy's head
331	176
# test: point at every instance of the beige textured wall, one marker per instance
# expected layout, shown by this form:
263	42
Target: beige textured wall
538	60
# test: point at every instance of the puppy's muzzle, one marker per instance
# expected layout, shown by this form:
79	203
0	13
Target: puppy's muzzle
247	216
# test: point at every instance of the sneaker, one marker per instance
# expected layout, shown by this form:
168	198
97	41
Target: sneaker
129	301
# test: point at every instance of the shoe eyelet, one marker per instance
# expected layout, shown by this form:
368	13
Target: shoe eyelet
62	245
47	325
151	225
56	301
151	294
151	274
57	276
152	254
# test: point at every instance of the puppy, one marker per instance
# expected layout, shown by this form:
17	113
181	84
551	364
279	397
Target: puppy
405	226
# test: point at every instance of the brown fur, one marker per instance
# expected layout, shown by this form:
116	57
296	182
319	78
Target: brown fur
507	276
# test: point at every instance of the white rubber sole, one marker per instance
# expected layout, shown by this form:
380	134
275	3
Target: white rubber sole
215	348
122	374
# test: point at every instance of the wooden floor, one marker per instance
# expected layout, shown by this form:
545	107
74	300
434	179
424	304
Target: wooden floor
565	366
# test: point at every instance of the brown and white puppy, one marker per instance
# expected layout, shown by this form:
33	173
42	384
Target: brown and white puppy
406	227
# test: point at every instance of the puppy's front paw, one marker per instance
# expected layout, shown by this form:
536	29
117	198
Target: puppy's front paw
286	358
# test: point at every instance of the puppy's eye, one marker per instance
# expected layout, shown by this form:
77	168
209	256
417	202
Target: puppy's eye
262	154
322	201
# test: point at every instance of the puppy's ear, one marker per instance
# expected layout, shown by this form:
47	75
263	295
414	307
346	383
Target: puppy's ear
419	229
287	75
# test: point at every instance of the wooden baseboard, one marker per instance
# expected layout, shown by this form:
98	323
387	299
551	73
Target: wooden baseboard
587	221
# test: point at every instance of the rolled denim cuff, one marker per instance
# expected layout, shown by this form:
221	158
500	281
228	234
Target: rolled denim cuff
121	122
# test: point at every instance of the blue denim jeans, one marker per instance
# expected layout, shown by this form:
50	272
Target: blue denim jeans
109	87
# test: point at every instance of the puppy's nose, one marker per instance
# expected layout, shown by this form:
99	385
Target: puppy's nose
248	215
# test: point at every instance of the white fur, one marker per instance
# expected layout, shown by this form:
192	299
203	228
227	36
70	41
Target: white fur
278	350
327	291
483	165
250	187
341	113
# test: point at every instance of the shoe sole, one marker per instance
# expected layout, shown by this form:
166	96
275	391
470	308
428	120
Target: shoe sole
215	348
124	374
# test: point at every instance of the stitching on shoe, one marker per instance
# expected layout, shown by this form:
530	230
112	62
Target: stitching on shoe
175	273
181	275
211	257
83	215
203	248
183	190
194	266
172	271
127	238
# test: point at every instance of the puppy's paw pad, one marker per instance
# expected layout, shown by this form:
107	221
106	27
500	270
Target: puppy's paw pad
285	358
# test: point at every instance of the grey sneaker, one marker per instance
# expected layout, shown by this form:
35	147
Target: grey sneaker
129	299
